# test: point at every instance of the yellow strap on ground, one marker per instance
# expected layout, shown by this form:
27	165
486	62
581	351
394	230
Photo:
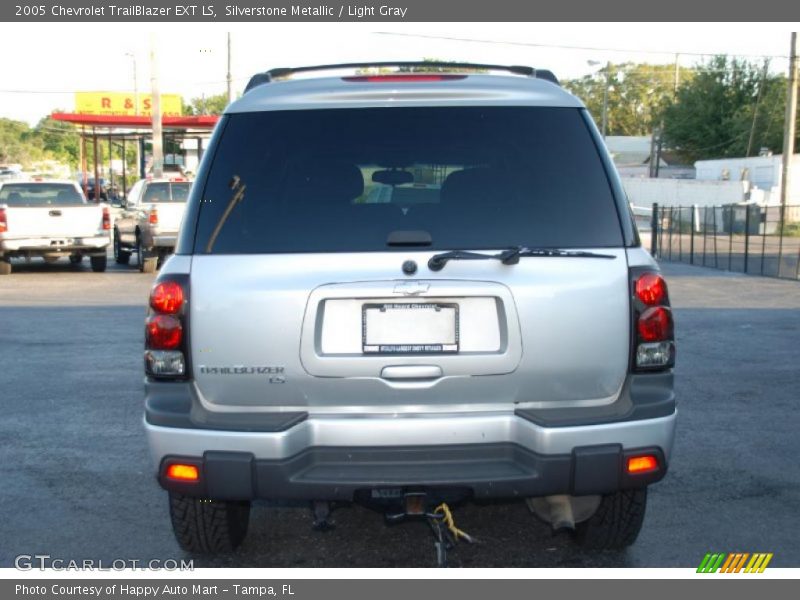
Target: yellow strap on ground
451	524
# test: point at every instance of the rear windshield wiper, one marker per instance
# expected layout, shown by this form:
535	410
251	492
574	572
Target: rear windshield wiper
238	193
510	256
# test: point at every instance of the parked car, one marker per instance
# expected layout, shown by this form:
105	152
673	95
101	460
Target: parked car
149	222
51	220
91	193
493	329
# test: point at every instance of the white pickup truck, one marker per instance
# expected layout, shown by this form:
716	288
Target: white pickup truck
149	223
51	219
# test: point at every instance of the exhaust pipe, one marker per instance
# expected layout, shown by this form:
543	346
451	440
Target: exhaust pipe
562	511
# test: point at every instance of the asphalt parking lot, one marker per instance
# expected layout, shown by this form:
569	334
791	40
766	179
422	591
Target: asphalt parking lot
76	482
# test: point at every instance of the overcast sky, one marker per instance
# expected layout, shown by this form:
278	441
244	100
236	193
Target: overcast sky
43	64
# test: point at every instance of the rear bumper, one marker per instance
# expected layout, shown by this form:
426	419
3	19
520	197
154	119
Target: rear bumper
481	470
165	240
491	455
53	245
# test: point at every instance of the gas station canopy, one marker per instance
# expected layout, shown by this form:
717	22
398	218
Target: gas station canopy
196	122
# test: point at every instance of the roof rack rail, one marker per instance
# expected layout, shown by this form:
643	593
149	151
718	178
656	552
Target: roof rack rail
272	74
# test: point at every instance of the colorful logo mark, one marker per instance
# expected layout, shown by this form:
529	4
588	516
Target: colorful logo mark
735	562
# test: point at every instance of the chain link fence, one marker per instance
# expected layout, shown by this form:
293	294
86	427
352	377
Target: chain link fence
753	239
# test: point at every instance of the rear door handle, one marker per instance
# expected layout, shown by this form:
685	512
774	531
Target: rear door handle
411	372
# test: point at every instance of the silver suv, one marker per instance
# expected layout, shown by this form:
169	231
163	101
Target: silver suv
405	288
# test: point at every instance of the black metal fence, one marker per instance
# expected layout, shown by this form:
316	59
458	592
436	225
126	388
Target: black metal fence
758	240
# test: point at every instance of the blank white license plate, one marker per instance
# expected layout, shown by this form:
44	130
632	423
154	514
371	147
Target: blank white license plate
409	328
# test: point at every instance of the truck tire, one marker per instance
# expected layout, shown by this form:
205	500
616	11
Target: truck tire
147	263
204	526
122	257
617	522
5	267
99	263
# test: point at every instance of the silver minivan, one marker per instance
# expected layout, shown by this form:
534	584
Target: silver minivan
404	285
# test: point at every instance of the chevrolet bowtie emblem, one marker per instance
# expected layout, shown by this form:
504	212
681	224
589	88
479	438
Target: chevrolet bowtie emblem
410	288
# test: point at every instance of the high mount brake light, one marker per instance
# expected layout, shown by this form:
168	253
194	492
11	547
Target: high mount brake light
401	78
167	298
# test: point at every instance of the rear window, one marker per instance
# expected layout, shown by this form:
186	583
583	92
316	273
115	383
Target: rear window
167	192
344	180
40	194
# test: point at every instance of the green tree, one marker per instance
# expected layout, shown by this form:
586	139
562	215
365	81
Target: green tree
637	94
18	143
61	140
207	105
731	107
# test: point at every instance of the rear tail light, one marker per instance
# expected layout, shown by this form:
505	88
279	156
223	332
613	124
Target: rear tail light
3	220
152	218
654	337
166	297
655	324
106	219
165	333
651	289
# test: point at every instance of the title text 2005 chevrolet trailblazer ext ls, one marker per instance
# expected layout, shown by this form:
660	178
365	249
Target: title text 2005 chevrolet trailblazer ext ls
409	288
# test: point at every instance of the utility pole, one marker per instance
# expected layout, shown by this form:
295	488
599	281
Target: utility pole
677	76
605	100
789	123
136	113
788	139
158	149
762	84
229	79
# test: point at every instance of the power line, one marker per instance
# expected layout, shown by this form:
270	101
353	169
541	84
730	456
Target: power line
570	47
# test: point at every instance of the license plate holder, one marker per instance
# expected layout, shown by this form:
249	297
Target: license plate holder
410	328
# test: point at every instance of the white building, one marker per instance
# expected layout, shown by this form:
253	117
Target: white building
762	174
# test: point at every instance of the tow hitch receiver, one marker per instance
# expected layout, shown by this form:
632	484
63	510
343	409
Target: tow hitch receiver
445	533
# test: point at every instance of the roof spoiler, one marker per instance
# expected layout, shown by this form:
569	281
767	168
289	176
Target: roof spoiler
281	72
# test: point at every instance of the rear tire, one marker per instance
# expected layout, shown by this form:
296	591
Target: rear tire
99	263
147	263
206	526
75	259
617	522
5	267
122	257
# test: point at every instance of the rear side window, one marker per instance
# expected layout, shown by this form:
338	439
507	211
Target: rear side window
40	194
344	180
166	192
